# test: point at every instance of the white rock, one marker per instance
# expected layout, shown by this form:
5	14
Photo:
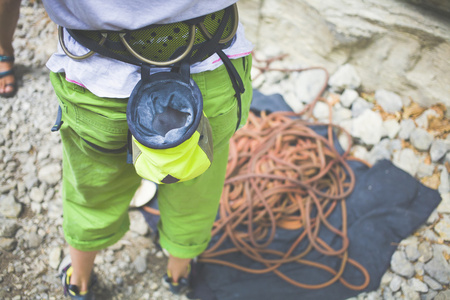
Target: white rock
389	101
50	174
444	206
360	152
391	128
421	139
321	111
378	152
401	265
341	114
438	149
348	97
406	128
54	257
137	223
308	84
418	285
368	127
407	160
443	228
359	106
396	283
345	77
9	207
444	187
425	170
36	194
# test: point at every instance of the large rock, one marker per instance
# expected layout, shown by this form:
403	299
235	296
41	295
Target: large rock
395	45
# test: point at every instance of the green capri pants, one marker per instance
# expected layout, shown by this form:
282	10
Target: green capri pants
98	184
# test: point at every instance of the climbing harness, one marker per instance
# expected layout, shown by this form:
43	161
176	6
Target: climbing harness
161	44
169	138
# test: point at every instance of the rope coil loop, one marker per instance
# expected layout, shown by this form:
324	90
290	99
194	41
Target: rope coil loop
282	174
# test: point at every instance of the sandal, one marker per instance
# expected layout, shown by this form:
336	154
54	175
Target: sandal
4	58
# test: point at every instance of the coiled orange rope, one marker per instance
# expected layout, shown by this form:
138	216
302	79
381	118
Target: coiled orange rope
282	174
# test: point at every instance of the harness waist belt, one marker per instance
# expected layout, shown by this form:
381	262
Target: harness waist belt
164	44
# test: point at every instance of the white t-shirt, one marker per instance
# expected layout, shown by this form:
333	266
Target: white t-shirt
107	77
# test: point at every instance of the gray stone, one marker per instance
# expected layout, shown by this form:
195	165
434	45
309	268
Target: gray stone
419	268
368	127
378	152
444	186
407	160
54	257
36	194
438	267
140	264
308	84
50	174
391	128
438	149
360	152
443	228
137	223
359	106
348	97
9	207
433	284
387	294
401	265
406	128
33	240
430	235
409	292
394	145
345	77
421	139
444	295
389	101
430	295
425	170
8	227
444	206
8	244
411	252
396	283
418	285
321	111
341	114
36	207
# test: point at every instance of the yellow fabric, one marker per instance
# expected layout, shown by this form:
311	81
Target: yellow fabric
184	162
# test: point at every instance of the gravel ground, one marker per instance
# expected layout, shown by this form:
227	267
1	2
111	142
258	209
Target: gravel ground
31	239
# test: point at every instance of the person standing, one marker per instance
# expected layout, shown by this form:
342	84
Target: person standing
9	15
98	184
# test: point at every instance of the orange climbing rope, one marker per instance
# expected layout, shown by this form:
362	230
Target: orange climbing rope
282	174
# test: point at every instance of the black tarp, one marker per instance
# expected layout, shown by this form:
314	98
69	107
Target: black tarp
386	206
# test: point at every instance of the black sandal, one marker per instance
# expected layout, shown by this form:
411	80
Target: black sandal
4	58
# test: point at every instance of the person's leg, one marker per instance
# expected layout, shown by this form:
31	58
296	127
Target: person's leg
97	184
9	15
188	209
82	264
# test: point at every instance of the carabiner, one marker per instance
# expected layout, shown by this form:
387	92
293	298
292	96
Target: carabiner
67	52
